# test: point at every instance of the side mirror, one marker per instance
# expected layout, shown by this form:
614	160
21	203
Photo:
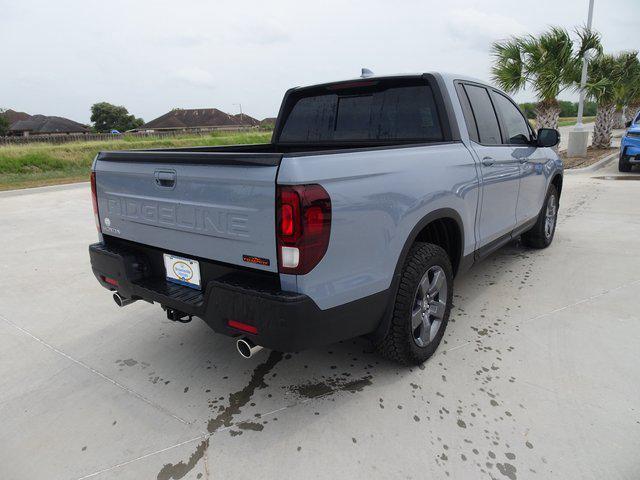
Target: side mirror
548	137
628	124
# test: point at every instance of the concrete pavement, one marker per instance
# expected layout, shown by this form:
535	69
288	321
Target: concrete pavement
538	375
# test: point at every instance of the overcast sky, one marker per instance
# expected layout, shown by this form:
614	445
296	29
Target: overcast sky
60	57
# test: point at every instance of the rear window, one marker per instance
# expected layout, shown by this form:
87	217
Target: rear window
363	111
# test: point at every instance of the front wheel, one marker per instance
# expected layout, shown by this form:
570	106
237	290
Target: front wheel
541	235
422	306
624	165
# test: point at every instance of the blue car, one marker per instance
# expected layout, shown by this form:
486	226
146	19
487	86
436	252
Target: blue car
630	146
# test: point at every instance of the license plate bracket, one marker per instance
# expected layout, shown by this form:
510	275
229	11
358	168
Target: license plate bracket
183	271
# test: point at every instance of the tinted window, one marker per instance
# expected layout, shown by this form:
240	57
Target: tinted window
514	122
485	116
467	113
380	111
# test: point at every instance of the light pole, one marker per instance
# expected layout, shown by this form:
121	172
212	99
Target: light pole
579	136
242	116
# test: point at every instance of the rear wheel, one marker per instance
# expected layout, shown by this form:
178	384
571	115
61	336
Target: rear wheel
541	235
624	165
422	306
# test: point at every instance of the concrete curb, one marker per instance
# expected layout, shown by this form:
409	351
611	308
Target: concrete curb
592	168
48	188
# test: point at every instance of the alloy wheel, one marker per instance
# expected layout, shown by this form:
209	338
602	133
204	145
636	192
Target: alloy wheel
429	306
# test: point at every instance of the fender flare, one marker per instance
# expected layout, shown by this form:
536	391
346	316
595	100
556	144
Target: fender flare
385	322
560	176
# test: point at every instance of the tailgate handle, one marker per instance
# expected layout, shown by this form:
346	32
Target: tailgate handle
165	178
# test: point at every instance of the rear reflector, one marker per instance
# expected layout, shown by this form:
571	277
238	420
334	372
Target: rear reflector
242	326
110	281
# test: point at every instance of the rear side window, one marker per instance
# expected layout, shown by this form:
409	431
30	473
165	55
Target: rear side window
484	114
470	121
365	111
514	123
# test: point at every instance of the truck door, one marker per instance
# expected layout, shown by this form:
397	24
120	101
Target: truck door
517	135
500	171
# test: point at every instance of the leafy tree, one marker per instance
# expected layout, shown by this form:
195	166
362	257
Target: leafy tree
568	109
107	117
4	124
548	64
590	109
608	75
627	91
529	109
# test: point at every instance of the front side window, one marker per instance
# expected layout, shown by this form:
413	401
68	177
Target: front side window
376	111
514	122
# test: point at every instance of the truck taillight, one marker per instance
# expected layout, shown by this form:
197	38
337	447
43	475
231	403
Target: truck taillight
94	200
303	227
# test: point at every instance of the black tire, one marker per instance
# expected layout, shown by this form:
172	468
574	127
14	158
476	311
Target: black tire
425	260
538	236
624	165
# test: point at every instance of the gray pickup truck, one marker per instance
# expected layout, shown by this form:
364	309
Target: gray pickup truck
372	195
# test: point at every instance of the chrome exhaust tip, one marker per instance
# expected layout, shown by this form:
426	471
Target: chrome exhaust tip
247	348
122	301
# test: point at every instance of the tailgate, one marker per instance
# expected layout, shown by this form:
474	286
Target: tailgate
210	205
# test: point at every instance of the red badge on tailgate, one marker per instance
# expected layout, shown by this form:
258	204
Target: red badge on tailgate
260	261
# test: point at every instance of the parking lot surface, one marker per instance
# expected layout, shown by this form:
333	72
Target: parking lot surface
538	376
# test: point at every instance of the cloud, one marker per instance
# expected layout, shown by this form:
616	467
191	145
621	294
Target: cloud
477	30
261	34
195	76
182	40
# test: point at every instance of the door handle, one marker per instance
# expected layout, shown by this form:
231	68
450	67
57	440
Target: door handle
523	160
165	178
488	161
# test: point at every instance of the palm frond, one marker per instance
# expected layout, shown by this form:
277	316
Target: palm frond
590	41
507	71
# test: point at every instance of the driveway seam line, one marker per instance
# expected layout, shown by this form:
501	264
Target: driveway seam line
96	372
556	310
195	439
146	455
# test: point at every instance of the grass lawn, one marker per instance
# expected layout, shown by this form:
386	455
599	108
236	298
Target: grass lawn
567	121
39	164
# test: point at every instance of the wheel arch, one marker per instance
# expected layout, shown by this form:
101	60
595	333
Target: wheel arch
442	227
557	182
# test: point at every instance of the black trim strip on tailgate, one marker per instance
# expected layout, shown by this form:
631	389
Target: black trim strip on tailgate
195	158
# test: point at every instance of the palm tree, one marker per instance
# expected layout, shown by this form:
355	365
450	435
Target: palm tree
627	92
548	64
631	90
608	75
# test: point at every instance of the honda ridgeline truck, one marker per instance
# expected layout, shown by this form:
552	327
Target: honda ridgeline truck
372	195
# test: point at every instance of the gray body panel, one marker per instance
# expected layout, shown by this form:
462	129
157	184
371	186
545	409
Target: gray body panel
500	184
377	198
219	212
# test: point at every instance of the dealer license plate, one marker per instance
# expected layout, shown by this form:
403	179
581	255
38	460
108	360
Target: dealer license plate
182	270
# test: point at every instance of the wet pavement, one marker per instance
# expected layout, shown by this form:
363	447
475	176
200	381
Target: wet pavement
538	375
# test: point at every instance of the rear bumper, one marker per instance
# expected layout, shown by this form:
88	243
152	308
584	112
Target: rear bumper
285	321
